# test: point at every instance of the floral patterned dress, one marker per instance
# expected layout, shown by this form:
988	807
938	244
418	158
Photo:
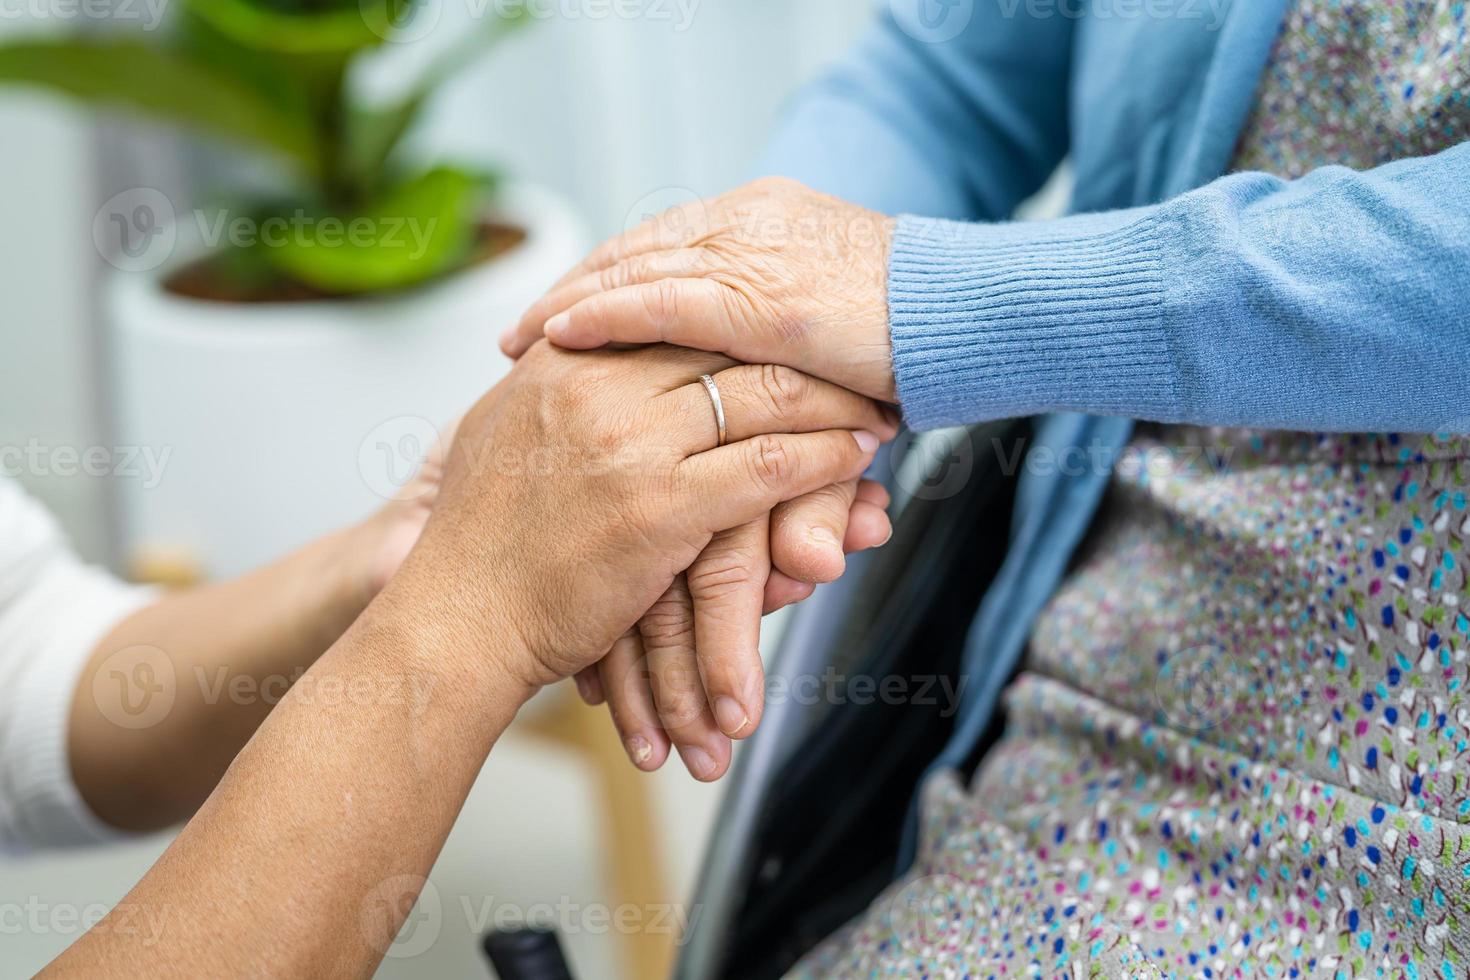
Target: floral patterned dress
1241	743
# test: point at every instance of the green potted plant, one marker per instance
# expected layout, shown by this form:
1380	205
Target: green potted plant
290	350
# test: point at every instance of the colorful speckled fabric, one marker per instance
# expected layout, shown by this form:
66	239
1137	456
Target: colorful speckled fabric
1241	745
1361	83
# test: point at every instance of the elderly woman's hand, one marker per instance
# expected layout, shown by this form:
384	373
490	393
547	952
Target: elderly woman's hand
581	487
690	674
791	275
770	273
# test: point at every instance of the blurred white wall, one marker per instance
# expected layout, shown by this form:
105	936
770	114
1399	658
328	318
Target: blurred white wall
610	111
47	263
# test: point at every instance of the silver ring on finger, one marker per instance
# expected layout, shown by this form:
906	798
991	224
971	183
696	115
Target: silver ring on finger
714	397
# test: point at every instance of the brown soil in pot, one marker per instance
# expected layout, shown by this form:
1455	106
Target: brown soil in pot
205	279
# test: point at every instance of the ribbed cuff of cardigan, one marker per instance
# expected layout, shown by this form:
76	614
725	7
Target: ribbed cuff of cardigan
994	321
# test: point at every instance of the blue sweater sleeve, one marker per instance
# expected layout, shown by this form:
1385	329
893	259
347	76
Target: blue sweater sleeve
951	110
1337	302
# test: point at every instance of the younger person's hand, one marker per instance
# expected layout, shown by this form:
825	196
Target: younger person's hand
703	635
584	484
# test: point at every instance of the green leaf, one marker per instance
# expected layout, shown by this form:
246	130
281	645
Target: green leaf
337	32
419	230
163	83
283	81
373	134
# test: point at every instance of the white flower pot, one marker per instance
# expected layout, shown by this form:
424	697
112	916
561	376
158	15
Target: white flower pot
270	424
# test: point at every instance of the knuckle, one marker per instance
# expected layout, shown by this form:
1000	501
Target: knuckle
783	389
721	575
770	461
680	702
612	277
661	302
538	356
628	272
668	623
828	507
624	682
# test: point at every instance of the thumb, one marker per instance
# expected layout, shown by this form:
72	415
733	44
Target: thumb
684	312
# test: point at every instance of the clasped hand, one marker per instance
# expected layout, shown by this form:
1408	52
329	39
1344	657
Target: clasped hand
626	516
772	274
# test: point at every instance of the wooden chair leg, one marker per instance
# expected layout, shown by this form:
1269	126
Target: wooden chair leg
628	828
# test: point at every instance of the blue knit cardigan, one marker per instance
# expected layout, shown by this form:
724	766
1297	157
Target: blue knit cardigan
1336	302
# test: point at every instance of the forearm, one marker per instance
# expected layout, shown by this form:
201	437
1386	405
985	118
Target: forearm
318	837
306	858
227	653
1328	303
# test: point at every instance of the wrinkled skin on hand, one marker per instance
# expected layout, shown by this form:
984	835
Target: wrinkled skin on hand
579	489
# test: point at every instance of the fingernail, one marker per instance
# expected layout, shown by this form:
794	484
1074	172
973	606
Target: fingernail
506	338
866	440
638	749
557	325
583	688
697	761
892	415
731	717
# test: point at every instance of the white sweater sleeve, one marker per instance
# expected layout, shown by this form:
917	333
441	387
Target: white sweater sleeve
53	611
